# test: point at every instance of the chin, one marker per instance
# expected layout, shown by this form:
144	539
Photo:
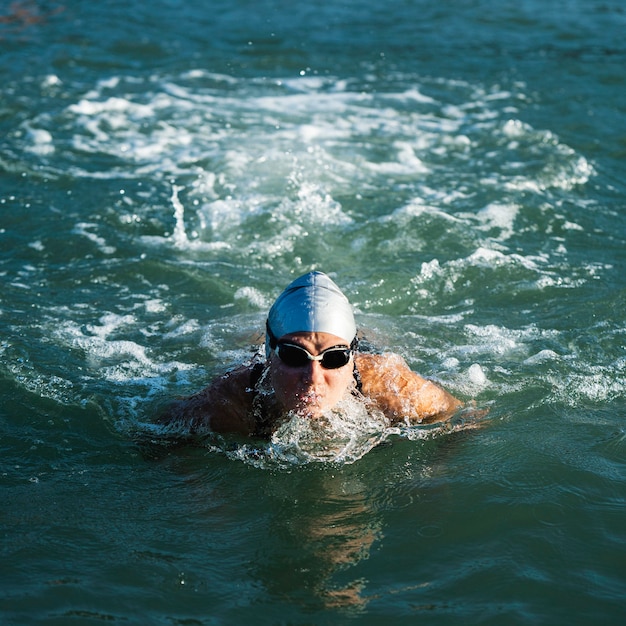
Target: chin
308	408
304	403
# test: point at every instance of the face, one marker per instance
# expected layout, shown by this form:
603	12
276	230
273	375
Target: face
310	389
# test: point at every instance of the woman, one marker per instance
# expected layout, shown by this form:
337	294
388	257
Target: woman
312	364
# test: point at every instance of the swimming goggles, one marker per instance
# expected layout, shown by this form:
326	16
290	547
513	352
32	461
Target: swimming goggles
296	356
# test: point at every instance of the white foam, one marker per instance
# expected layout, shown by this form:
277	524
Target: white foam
567	225
406	162
254	297
92	108
515	129
416	208
416	95
52	80
259	132
84	229
37	245
41	141
318	206
186	327
180	234
600	384
499	216
541	357
155	305
117	360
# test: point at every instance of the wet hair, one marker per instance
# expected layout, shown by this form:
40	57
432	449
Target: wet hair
311	303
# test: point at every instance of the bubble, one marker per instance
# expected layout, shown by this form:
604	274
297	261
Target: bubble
477	375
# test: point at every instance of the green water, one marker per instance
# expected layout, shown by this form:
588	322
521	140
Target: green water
166	168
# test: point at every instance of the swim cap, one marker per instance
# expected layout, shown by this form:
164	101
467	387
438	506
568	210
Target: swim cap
311	303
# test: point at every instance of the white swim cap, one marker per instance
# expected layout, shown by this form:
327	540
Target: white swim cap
311	303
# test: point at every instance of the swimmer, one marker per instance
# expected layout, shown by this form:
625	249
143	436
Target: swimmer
312	363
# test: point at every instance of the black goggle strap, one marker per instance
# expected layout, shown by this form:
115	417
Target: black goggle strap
354	344
273	341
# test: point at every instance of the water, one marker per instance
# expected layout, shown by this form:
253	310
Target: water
167	167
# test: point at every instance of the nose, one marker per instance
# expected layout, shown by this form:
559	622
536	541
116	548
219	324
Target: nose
313	374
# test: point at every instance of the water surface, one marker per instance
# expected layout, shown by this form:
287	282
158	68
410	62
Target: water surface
167	167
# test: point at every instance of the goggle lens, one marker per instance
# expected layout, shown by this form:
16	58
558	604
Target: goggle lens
296	356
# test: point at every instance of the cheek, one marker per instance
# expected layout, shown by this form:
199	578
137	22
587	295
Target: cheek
284	381
338	381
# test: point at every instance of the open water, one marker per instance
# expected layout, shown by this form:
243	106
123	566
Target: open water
166	167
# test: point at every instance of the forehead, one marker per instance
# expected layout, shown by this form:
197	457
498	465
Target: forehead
314	341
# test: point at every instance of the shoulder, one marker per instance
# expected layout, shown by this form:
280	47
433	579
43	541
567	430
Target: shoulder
223	406
379	362
402	394
384	372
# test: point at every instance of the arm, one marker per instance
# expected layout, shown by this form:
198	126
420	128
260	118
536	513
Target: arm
225	406
400	393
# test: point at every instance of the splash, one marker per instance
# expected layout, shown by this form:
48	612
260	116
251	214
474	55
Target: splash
180	234
342	435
